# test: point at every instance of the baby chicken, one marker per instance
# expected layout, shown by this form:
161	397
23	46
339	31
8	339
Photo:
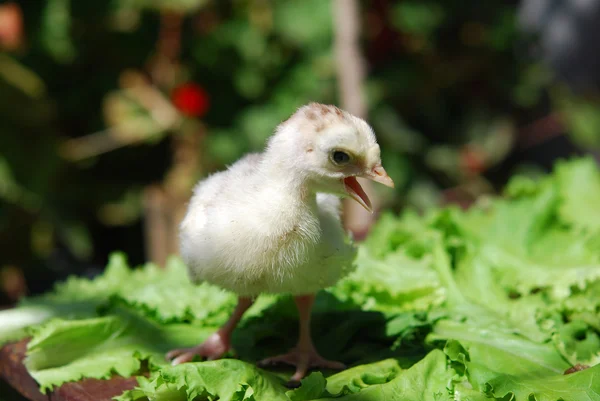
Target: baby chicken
271	223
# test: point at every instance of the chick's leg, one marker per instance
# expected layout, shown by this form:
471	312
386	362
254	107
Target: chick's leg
215	346
304	356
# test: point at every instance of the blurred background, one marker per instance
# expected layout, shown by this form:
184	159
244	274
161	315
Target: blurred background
111	110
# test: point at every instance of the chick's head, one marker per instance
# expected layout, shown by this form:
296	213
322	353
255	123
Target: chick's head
332	148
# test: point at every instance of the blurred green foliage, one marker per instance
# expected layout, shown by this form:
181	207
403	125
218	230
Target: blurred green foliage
446	91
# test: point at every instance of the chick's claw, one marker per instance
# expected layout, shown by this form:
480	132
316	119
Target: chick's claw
213	348
303	360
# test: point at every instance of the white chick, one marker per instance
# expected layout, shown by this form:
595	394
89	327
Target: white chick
271	223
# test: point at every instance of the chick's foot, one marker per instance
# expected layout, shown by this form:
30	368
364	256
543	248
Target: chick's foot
302	359
217	344
213	348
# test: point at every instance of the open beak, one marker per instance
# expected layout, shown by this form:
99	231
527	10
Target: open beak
353	188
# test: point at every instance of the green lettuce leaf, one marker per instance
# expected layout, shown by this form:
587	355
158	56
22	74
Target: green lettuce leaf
75	298
579	185
225	379
502	352
428	379
151	289
166	295
349	381
68	350
395	283
580	386
519	377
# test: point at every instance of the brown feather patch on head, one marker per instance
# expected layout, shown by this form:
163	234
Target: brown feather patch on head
315	117
324	109
322	115
311	115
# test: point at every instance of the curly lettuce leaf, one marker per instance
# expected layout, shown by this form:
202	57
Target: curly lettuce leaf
225	379
350	381
428	380
502	352
518	377
152	289
68	350
395	283
166	295
580	386
74	298
579	185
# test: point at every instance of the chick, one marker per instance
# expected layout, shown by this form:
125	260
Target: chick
271	223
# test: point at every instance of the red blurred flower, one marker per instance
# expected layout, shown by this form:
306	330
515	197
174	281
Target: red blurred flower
11	26
472	159
191	99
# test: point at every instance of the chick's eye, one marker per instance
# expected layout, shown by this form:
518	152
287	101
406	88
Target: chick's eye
340	157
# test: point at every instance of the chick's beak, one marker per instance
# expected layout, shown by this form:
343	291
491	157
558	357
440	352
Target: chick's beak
353	188
378	174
